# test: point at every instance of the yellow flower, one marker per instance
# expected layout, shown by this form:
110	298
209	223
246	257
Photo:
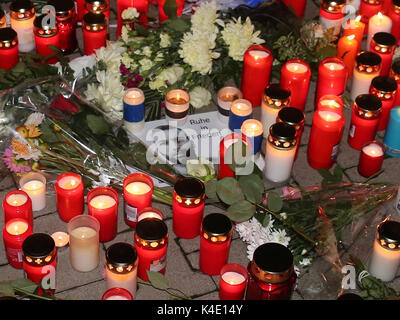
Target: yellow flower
130	14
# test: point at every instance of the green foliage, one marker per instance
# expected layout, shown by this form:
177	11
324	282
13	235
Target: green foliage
211	189
274	202
241	210
229	191
329	178
170	8
253	187
157	280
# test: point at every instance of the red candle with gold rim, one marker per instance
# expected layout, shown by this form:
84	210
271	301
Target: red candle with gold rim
384	44
369	8
331	15
394	14
94	32
188	200
97	7
150	213
395	74
8	48
364	120
257	64
232	282
103	205
371	158
69	195
142	7
215	241
45	37
329	102
14	233
161	14
151	243
17	204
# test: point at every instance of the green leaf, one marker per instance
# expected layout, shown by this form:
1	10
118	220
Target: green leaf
338	173
157	280
6	289
170	8
178	25
263	218
25	284
97	124
324	173
241	211
142	31
211	189
274	202
238	157
253	187
229	191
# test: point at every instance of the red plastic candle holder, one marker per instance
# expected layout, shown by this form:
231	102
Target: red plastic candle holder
395	74
94	32
355	27
97	7
188	200
364	120
384	44
215	241
150	213
142	7
138	191
369	8
256	73
103	205
271	273
394	14
161	14
331	15
14	233
17	204
371	158
69	195
232	282
8	48
79	9
151	243
45	37
295	77
330	102
117	294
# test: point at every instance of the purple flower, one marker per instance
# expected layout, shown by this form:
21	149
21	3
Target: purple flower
124	70
12	164
163	104
167	83
138	77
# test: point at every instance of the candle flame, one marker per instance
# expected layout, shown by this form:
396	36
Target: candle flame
15	202
380	15
351	37
331	67
358	19
295	68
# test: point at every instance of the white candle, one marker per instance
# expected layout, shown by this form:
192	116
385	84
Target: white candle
361	83
296	67
233	278
278	163
34	184
102	202
84	249
24	30
138	188
373	150
16	199
17	228
61	239
252	128
226	96
258	54
269	113
117	298
378	23
69	182
177	106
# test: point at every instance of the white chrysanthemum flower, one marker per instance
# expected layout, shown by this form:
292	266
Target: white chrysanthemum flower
239	44
204	18
159	57
125	33
279	236
111	55
34	119
145	64
172	74
199	97
305	262
165	40
130	13
128	61
147	51
157	83
199	168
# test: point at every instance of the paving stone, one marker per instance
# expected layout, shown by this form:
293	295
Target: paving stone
9	273
91	291
210	296
303	173
7	183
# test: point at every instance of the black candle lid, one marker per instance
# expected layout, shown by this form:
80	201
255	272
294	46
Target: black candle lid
384	39
384	84
274	91
94	18
64	8
396	67
282	135
349	296
2	13
38	245
189	188
8	37
292	116
396	3
368	102
368	58
46	30
96	5
21	6
121	255
151	229
217	224
388	234
333	6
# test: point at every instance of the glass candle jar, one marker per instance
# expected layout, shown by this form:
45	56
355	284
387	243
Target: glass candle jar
280	152
117	294
274	99
138	191
384	44
241	110
226	96
69	195
40	260
121	267
371	158
151	242
331	15
22	15
8	48
150	213
34	184
45	37
84	243
215	241
392	134
17	204
253	130
385	89
15	232
103	205
364	120
232	282
394	15
94	32
385	259
367	67
66	23
177	106
134	110
188	200
271	273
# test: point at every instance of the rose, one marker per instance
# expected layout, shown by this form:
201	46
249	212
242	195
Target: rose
199	97
63	104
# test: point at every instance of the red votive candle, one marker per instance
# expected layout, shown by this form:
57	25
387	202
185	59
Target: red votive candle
395	74
385	89
69	195
161	14
103	205
79	9
364	120
369	8
394	14
271	273
138	190
8	48
94	32
384	44
326	133
14	233
97	7
299	7
331	15
295	77
355	27
150	213
332	77
17	204
45	37
257	64
40	261
142	7
151	243
117	294
188	200
371	158
232	282
330	102
215	241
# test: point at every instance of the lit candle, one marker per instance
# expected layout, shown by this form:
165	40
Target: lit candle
103	205
22	15
253	130
142	7
121	267
138	191
69	195
385	259
329	102
378	23
84	242
161	14
16	200
257	65
215	241
275	98
94	32
347	50
364	120
150	213
371	158
15	232
97	7
45	36
240	111
117	294
331	15
226	96
357	28
367	67
384	44
17	204
280	152
392	134
369	8
232	282
394	15
61	240
295	78
34	184
177	106
134	110
8	48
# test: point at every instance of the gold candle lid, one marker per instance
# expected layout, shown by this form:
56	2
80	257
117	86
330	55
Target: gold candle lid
388	235
94	22
276	97
121	258
333	6
216	228
22	10
43	31
96	6
383	87
39	249
368	62
368	106
151	233
65	9
8	38
282	136
383	42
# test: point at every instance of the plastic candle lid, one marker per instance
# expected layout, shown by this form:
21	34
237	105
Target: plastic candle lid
396	66
334	6
368	102
94	19
63	7
121	254
368	58
2	13
189	188
283	132
389	234
292	116
217	224
384	84
274	91
7	35
38	245
384	39
151	229
21	5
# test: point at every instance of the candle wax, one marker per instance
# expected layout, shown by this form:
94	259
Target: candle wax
333	66
259	54
61	239
16	200
297	68
69	183
17	228
330	103
33	185
117	298
177	100
102	202
373	150
329	116
229	97
138	188
149	214
233	278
